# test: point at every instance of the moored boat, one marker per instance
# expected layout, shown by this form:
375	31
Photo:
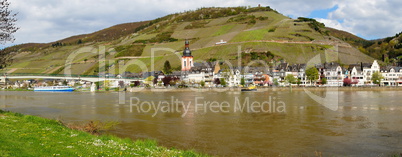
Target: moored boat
54	89
251	88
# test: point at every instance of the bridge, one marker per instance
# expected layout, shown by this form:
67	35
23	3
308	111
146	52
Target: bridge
89	78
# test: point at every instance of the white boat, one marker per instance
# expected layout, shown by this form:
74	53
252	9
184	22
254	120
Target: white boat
54	89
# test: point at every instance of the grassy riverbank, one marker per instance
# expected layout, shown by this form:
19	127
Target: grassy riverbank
24	135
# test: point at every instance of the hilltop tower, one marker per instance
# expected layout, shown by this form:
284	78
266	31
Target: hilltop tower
187	59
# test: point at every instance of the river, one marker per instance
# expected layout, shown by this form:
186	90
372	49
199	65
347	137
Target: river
231	123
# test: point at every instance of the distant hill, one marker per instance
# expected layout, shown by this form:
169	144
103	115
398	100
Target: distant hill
388	49
262	34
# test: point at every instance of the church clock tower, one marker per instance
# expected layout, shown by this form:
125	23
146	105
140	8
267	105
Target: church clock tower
187	59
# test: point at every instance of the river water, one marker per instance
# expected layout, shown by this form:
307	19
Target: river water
231	123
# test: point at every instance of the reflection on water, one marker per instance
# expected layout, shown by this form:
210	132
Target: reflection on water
366	123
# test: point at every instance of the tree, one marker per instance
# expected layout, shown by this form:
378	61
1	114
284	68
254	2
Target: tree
324	81
65	83
166	81
97	84
376	78
8	28
217	81
276	83
298	82
202	83
290	79
7	25
155	81
223	82
312	74
347	82
137	83
149	80
242	81
167	69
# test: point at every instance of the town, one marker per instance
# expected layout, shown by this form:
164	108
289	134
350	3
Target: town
217	74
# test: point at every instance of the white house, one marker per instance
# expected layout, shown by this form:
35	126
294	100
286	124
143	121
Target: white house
369	71
234	79
361	74
392	76
334	74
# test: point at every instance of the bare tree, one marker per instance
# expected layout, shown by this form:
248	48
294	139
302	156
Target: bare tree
7	27
7	23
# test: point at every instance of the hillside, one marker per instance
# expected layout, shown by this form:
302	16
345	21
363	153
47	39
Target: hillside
388	49
261	33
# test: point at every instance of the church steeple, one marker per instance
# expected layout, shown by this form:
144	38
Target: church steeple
187	58
187	51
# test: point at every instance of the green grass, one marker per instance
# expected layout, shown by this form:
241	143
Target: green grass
223	30
174	46
24	135
22	64
145	36
129	50
144	64
258	34
218	21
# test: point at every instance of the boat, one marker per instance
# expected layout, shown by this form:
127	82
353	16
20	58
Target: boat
54	89
251	88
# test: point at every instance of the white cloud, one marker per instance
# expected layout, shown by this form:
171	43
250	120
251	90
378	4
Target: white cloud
46	21
370	18
334	24
299	8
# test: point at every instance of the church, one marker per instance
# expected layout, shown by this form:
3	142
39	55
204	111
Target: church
187	59
196	72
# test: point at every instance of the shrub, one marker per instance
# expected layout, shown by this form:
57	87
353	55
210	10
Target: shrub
129	50
272	30
196	24
163	37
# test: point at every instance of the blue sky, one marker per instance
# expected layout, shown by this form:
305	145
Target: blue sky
323	13
44	21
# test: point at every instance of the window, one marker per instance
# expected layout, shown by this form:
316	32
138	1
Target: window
184	64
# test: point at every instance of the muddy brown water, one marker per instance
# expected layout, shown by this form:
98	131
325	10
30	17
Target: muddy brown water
233	123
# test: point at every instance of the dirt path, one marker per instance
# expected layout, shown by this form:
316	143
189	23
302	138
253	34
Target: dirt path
52	70
12	70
